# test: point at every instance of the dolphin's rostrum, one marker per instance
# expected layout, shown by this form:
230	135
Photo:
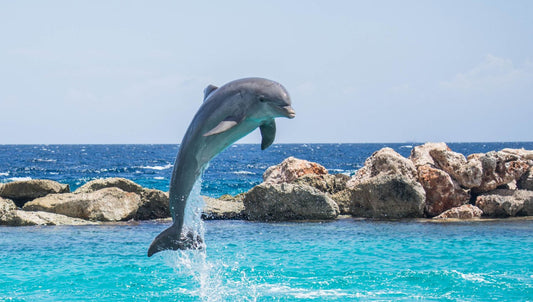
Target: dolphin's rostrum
227	114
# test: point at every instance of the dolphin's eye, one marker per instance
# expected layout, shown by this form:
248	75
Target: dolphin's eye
262	99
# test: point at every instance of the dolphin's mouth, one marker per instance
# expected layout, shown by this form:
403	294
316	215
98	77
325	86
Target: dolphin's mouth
289	112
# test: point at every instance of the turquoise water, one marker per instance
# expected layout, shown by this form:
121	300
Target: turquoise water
343	260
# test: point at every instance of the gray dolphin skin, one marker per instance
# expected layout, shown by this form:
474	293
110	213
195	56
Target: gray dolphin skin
227	114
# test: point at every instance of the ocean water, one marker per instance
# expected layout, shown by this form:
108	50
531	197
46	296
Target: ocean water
343	260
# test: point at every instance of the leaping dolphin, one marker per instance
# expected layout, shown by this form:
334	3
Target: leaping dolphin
227	114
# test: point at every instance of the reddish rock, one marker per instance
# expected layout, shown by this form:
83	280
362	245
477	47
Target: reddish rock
442	192
291	169
467	173
420	154
466	211
499	168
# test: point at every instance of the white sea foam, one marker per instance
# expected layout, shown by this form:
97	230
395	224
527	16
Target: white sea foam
168	166
406	146
4	174
159	177
243	172
19	178
45	160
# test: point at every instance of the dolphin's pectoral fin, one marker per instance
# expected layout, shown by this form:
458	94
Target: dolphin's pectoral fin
208	90
225	125
168	240
268	133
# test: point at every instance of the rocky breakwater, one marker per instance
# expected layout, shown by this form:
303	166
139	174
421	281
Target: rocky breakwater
112	199
434	182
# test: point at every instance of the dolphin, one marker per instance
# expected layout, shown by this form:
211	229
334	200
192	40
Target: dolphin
227	114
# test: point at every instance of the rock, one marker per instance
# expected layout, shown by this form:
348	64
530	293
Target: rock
420	155
6	205
499	168
466	211
467	173
328	183
236	198
125	185
505	203
526	155
442	192
344	201
26	218
108	204
387	162
154	205
25	190
216	209
278	202
388	196
526	181
290	169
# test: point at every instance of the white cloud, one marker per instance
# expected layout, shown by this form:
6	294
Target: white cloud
493	73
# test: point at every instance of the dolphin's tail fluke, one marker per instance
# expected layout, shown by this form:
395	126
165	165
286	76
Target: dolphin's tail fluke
171	239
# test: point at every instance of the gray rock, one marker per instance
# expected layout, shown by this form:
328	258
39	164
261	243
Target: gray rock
420	154
154	205
278	202
466	211
442	192
327	183
344	201
505	203
125	185
467	173
526	181
217	209
23	191
499	168
108	204
290	169
388	196
384	162
26	218
6	205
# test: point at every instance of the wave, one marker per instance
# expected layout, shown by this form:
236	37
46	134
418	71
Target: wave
4	174
168	166
44	160
19	178
159	178
243	172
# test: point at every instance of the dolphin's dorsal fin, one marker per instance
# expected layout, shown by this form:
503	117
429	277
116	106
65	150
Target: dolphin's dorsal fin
208	90
268	133
228	123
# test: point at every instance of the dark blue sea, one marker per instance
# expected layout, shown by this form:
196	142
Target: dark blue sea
344	260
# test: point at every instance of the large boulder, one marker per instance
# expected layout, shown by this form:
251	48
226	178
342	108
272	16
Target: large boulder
384	162
388	196
505	203
420	155
442	192
290	169
526	155
26	218
154	203
278	202
108	204
25	190
344	201
499	168
217	209
327	183
526	181
466	211
125	185
467	173
6	205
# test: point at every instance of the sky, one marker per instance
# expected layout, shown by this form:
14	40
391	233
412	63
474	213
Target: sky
113	72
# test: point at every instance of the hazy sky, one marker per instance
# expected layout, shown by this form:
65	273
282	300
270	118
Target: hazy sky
357	71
